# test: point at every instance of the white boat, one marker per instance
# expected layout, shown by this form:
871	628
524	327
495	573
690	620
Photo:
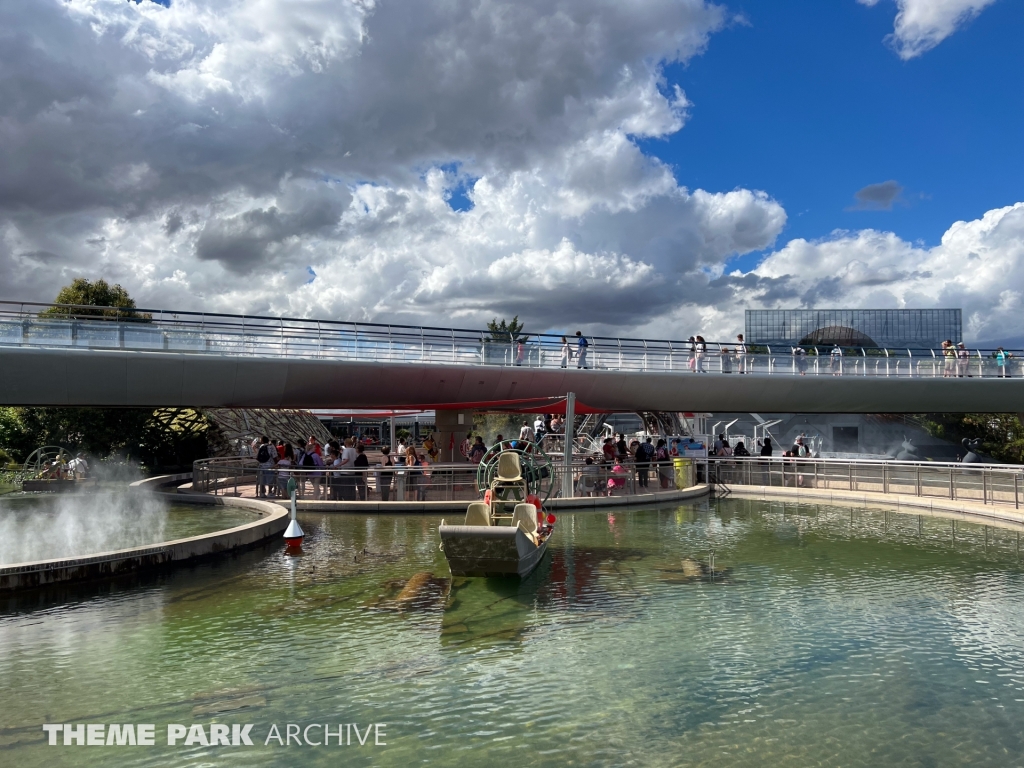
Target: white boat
501	535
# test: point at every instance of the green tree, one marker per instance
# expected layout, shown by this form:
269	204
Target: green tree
1001	434
506	331
82	293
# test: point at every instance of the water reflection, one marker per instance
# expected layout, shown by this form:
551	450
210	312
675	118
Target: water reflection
733	633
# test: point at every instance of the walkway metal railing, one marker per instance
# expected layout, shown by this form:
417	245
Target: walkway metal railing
985	484
29	324
436	482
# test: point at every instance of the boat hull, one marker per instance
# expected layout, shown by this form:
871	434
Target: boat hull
478	550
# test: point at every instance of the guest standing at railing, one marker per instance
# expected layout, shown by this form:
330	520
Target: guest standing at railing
701	351
478	450
384	477
266	455
741	354
664	463
801	360
414	473
347	480
766	447
1003	362
362	463
948	359
334	478
284	471
643	457
581	353
837	360
317	476
566	352
963	360
608	450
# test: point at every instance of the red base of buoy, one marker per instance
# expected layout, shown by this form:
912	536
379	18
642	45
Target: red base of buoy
296	542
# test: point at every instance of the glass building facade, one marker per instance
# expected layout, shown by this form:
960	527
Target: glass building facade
869	328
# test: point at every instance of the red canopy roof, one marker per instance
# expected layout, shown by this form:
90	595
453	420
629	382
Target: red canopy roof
551	405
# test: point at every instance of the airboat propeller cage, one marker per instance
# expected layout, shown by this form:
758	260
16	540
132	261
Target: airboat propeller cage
535	470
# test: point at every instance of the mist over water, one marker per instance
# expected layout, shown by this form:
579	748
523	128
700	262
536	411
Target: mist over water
78	524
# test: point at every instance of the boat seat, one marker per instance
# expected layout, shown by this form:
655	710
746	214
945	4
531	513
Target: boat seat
509	469
525	516
478	513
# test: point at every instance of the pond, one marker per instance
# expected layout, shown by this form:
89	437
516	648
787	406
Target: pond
819	634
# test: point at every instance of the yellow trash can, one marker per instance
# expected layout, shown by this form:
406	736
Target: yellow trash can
684	473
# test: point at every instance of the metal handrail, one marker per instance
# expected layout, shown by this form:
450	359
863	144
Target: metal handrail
442	481
985	483
23	324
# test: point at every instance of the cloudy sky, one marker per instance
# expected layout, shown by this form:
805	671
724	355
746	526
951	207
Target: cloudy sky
624	166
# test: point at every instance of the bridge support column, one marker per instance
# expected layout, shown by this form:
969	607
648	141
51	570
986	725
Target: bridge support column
568	488
452	428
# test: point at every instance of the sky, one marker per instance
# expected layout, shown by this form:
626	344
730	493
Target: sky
644	168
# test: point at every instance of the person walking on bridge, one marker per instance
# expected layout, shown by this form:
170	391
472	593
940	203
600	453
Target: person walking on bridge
566	352
700	351
741	353
963	360
1003	362
837	360
948	359
581	353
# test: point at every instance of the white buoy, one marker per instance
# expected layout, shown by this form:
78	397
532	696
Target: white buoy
293	534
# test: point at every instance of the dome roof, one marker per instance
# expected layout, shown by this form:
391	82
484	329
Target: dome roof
837	334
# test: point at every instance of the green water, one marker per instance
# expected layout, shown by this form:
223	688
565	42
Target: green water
825	636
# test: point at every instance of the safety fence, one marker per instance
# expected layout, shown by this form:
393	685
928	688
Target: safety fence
155	330
435	482
985	484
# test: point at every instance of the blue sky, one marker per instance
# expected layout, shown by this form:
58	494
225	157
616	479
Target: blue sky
807	103
451	162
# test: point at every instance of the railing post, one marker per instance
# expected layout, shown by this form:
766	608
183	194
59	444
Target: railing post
570	431
850	467
918	480
1016	498
952	489
885	478
984	487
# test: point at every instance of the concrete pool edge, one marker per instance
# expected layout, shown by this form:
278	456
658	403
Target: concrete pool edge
438	507
272	520
964	510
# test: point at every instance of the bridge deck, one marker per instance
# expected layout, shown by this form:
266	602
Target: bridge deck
159	358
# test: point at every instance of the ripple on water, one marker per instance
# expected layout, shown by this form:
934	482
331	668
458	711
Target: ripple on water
820	636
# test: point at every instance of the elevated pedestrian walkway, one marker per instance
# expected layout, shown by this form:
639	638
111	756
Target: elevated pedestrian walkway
161	358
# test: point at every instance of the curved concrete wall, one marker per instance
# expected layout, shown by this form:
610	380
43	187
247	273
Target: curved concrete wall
83	377
984	514
271	520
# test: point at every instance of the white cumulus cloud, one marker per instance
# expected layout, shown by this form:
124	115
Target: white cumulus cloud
923	24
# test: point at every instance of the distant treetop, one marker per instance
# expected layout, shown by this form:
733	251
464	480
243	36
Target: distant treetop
507	331
100	293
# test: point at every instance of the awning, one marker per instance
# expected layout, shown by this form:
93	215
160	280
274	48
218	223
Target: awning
552	405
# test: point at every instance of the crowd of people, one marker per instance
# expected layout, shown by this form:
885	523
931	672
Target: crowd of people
336	471
609	472
59	469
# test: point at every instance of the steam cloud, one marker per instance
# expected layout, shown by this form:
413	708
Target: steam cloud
78	524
